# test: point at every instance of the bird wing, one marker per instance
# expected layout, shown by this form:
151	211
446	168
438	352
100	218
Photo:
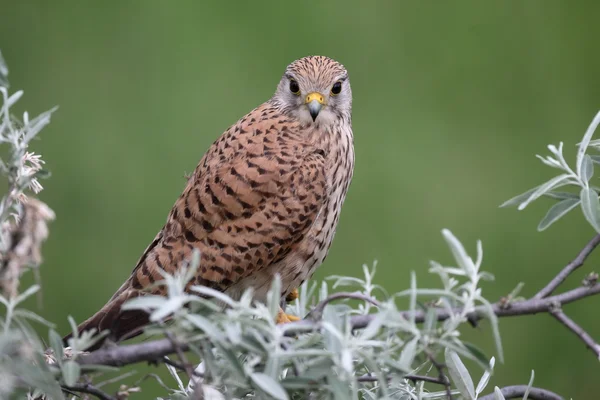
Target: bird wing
249	203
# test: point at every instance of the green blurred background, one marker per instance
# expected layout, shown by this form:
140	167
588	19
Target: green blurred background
451	102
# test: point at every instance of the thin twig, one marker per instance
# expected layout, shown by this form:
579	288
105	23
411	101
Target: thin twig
413	378
441	376
525	307
572	266
517	392
318	309
119	378
90	389
180	353
576	329
180	366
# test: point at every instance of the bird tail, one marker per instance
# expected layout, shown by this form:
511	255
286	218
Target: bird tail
121	324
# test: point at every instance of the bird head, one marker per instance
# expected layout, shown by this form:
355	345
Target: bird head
315	90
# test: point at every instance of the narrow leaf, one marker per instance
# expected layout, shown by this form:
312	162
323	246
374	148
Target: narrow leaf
56	344
27	293
590	207
206	326
485	378
561	195
70	371
585	142
498	394
458	251
553	183
557	211
269	386
526	394
460	374
518	199
595	158
587	170
13	98
149	302
408	354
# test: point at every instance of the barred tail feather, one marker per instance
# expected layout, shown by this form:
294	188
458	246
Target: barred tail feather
121	324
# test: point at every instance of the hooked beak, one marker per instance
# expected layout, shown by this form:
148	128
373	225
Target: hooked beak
315	101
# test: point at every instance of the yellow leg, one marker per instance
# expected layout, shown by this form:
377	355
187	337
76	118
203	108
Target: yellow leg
283	318
293	295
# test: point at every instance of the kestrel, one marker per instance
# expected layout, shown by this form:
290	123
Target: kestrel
264	200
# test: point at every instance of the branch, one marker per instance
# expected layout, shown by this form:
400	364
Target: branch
317	311
441	376
517	392
572	266
156	349
90	389
410	377
576	329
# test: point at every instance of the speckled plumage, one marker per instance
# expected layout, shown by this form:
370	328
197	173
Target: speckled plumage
265	199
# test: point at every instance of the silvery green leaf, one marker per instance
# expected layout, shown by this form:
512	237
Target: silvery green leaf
485	378
561	195
413	296
13	98
169	307
30	291
460	374
498	394
232	361
373	327
3	72
526	394
209	292
32	316
148	302
175	375
430	320
269	386
519	198
210	393
458	251
73	325
37	124
553	183
70	372
477	354
493	318
56	344
595	158
583	145
590	207
274	296
408	353
587	170
206	326
557	211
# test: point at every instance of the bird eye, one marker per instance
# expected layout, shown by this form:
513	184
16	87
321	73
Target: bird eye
336	88
294	87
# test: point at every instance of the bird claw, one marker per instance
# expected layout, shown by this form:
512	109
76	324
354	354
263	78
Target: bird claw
283	318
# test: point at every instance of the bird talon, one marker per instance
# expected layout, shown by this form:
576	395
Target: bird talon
283	318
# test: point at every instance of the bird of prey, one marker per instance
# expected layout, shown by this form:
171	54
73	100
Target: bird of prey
265	199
